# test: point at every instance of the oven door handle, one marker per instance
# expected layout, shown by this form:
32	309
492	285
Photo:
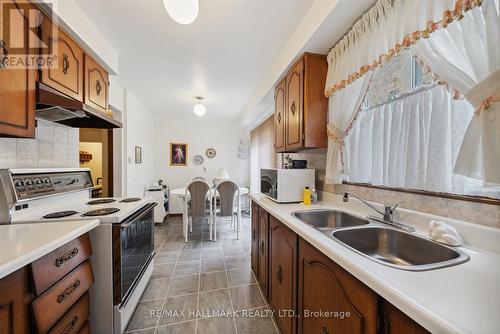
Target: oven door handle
141	214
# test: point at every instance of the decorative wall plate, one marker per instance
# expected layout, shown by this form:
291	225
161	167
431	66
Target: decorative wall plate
211	153
198	159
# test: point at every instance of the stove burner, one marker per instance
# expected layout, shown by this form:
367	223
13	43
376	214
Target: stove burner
131	199
101	212
59	214
101	201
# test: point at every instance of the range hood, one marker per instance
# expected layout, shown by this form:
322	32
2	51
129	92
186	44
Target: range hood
52	105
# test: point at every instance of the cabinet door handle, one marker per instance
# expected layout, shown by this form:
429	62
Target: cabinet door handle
253	234
292	108
71	326
66	257
98	87
69	290
279	274
262	247
279	118
5	55
65	63
324	330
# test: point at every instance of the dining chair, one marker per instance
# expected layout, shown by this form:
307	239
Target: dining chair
199	178
224	197
195	205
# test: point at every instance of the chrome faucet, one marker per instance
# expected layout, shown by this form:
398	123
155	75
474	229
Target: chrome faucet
387	214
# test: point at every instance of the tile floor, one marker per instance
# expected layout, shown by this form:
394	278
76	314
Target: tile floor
202	286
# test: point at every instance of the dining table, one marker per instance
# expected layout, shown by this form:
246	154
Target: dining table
181	193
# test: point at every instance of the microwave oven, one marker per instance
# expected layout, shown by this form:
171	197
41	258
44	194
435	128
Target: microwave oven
286	185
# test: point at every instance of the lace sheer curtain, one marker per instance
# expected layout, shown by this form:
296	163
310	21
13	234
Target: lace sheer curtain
467	56
342	109
261	152
413	143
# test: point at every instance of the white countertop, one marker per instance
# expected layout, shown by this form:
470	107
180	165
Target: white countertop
459	299
21	244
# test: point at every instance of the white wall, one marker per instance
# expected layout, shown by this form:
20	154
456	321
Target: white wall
199	134
139	129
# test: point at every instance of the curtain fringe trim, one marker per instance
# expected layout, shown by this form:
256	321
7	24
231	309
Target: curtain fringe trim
449	16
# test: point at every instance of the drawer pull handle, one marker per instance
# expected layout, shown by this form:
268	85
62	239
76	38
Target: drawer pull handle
279	274
71	326
65	63
98	87
262	247
5	54
68	291
292	108
324	330
66	257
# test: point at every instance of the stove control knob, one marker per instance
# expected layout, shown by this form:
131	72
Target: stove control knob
47	181
38	182
29	183
19	183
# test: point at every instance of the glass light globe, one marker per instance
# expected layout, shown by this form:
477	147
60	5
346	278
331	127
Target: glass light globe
199	109
182	11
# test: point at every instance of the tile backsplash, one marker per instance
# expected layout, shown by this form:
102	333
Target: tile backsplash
483	214
54	146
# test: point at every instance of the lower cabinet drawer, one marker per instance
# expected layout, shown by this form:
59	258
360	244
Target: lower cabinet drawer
50	268
85	329
53	304
74	319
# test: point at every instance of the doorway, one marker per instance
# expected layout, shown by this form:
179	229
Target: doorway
96	153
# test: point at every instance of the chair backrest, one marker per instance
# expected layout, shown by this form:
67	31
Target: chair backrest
226	190
198	190
199	178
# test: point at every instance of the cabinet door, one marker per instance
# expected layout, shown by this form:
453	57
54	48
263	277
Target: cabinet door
255	239
263	249
283	274
331	300
66	72
14	301
96	85
279	116
17	83
294	106
396	321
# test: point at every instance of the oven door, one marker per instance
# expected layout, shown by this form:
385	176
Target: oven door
133	250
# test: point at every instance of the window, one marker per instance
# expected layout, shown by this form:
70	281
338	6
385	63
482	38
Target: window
408	134
261	151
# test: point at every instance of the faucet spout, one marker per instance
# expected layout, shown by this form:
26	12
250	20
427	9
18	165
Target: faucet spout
387	214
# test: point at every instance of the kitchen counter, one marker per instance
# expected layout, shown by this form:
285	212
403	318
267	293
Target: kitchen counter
460	299
21	244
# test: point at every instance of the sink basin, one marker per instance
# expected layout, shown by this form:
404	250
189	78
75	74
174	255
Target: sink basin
400	249
328	219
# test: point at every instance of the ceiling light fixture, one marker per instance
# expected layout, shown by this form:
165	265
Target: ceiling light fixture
199	108
182	11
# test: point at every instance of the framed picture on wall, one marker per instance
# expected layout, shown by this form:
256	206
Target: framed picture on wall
138	155
178	154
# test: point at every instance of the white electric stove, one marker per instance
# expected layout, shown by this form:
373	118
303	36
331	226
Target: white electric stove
123	244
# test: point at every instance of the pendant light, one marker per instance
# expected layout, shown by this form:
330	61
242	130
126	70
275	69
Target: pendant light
199	108
182	11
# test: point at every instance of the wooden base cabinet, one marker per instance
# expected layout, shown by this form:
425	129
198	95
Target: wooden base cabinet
14	303
330	300
263	272
255	238
394	321
283	274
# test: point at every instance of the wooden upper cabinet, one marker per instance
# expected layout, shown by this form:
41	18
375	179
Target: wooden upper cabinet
282	274
66	72
280	115
305	105
96	85
325	287
17	84
294	106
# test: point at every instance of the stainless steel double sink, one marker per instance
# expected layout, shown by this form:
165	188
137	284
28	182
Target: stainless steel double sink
384	244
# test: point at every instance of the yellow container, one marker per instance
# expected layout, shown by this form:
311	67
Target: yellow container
307	196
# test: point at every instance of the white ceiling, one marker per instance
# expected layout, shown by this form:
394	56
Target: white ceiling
222	56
